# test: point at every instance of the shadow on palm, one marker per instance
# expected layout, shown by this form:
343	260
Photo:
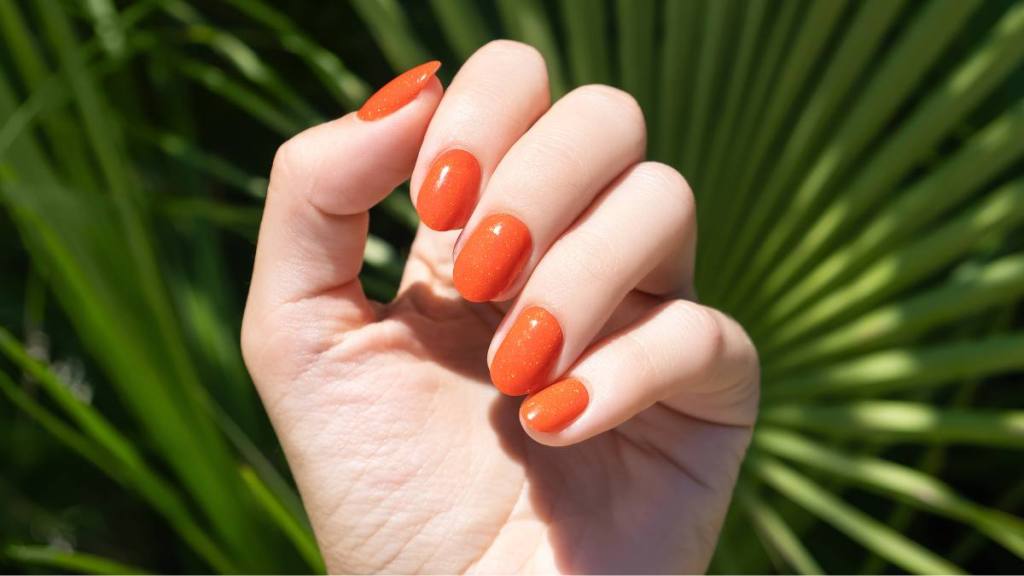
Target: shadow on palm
651	484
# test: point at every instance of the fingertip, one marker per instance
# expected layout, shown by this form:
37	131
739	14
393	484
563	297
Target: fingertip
378	154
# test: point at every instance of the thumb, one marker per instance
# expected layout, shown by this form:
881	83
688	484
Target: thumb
322	184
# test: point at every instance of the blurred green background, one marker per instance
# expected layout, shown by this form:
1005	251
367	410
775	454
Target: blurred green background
861	197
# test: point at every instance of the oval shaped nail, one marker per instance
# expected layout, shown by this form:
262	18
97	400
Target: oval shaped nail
492	258
555	407
449	190
528	353
403	89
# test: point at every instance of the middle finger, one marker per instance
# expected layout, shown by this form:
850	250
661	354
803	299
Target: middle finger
545	181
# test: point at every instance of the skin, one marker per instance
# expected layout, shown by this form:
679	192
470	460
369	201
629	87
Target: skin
406	456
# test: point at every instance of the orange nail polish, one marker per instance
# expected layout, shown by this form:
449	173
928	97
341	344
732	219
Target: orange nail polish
556	406
529	351
492	258
399	92
449	190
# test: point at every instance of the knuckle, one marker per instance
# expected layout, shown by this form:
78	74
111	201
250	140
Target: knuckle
503	57
284	157
638	364
609	95
712	341
557	151
613	102
526	54
592	261
702	334
749	356
480	89
292	160
668	190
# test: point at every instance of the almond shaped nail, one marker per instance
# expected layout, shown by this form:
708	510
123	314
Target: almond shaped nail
528	353
492	258
449	190
398	92
555	407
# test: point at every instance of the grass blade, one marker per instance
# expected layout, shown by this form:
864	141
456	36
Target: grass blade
998	213
301	536
393	32
901	369
981	158
251	66
931	31
635	21
248	63
720	180
185	150
85	447
89	420
71	154
705	80
776	534
680	32
895	481
107	26
859	44
585	24
243	220
130	329
462	24
931	462
972	543
994	284
867	531
215	80
347	88
892	421
710	211
915	138
807	48
130	473
45	557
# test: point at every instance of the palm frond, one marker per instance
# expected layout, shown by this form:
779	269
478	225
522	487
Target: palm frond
858	169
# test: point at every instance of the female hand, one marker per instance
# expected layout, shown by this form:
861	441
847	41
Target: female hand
572	280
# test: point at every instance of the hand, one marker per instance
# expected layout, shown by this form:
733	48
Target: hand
577	258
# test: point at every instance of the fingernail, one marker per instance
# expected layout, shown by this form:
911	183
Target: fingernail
399	92
556	406
449	191
529	351
492	258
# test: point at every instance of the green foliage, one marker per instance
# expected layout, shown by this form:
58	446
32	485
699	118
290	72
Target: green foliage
860	184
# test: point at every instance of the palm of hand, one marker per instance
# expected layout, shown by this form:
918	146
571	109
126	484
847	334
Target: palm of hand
410	461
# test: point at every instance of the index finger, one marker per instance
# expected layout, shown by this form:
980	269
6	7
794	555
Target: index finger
495	97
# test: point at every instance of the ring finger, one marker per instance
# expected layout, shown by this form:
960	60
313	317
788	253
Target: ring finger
639	222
